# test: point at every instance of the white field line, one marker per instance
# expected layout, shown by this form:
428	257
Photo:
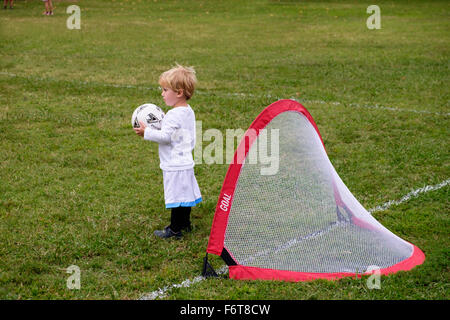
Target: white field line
376	106
163	292
108	85
201	92
408	196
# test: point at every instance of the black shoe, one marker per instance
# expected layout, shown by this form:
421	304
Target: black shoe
168	233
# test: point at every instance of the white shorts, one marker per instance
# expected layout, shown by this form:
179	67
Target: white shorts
181	189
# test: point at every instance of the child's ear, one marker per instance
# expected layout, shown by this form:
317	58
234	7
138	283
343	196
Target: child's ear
180	93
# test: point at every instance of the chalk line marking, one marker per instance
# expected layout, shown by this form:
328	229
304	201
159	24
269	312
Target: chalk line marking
408	196
163	292
227	94
376	106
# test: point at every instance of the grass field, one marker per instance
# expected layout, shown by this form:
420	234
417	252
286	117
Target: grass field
78	187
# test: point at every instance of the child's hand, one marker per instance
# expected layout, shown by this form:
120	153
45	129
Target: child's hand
140	131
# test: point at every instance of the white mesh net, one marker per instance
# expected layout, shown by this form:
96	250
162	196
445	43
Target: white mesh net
303	218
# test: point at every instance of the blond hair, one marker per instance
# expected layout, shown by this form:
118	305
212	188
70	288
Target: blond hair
179	78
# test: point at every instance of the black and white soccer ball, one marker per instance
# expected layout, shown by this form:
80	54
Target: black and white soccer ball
148	113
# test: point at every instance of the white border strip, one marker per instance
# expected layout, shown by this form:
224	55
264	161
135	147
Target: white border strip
162	293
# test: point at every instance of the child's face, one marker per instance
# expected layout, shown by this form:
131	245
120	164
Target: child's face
172	98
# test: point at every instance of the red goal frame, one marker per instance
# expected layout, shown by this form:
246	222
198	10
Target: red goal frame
219	225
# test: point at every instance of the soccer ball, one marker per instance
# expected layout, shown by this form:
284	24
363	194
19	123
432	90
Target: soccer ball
148	113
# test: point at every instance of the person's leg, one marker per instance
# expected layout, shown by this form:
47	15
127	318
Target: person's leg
50	6
5	4
186	219
11	3
181	219
176	219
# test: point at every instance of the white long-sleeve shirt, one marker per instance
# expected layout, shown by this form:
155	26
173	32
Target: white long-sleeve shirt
176	139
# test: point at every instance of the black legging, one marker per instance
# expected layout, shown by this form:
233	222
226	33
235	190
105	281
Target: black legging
180	218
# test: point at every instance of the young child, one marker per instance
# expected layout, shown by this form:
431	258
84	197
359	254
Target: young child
176	141
48	8
5	4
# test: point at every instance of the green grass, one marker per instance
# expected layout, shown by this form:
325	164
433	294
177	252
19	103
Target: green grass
78	187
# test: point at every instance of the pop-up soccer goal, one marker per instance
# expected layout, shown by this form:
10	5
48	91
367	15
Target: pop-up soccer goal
299	222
